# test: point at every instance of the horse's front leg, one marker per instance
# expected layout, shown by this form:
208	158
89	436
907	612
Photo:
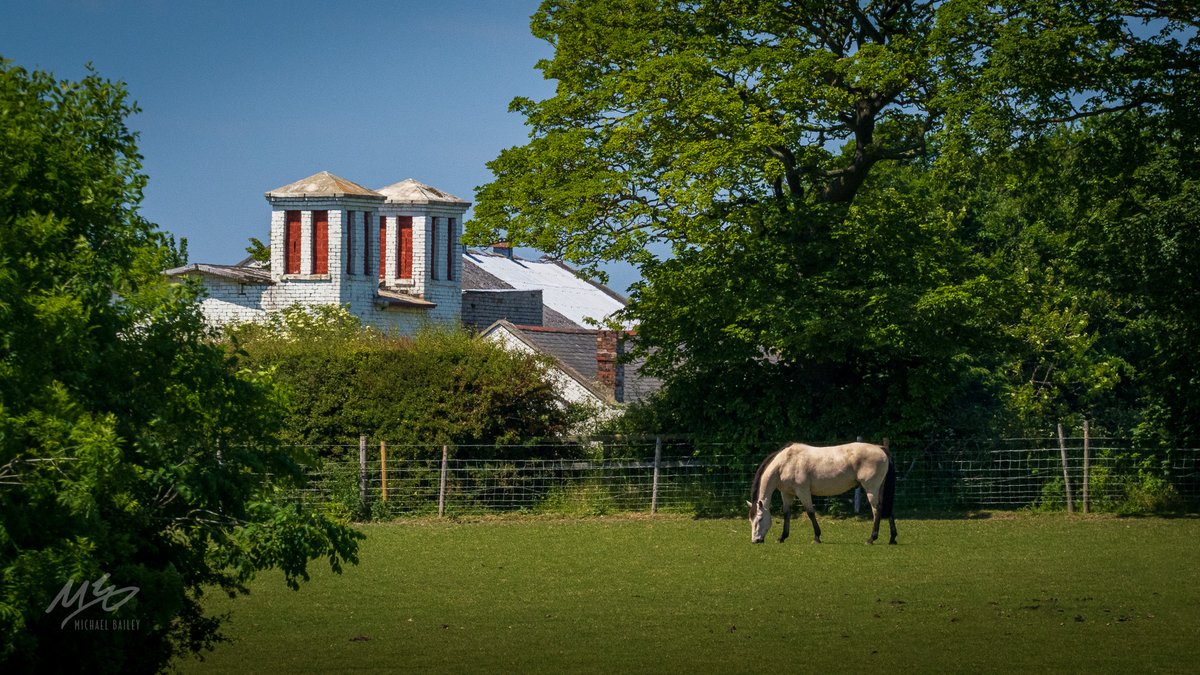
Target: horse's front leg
812	516
787	517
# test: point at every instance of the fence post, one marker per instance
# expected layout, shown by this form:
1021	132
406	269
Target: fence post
1062	446
383	470
1087	464
657	466
442	482
362	472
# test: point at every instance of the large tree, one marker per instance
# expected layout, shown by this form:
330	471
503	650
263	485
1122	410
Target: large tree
813	169
136	457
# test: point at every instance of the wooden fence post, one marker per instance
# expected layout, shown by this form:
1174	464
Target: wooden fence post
1087	464
657	467
362	472
442	481
383	470
1062	446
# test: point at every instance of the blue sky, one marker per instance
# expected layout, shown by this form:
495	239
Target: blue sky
239	98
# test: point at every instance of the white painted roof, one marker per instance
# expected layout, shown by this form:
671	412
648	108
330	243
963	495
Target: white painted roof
577	299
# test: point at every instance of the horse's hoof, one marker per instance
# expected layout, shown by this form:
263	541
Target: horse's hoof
892	542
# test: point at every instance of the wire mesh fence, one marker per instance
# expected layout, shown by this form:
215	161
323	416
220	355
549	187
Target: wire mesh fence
680	476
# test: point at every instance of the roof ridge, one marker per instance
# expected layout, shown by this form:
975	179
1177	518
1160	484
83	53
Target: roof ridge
323	184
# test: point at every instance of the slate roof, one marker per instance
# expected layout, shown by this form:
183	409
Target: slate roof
575	350
568	299
323	184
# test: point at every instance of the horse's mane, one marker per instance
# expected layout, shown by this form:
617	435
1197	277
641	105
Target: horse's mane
762	468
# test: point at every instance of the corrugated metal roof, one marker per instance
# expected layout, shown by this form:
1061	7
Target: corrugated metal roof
410	191
565	293
323	184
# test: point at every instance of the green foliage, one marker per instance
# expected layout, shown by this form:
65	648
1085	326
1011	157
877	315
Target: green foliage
900	218
132	447
259	252
1151	493
441	386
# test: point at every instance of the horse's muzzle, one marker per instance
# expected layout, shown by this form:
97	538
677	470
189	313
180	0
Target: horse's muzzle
758	541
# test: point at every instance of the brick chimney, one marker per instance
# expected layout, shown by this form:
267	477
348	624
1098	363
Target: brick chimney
503	248
610	372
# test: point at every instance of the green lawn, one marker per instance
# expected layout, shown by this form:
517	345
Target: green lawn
1044	593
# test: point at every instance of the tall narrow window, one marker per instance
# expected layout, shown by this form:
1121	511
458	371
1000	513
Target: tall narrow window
404	246
382	246
450	249
366	240
433	248
320	242
348	252
292	237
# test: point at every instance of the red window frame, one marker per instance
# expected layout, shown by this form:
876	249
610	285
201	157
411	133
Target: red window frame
404	246
320	242
292	245
382	246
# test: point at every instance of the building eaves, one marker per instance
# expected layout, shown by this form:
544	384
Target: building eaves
393	299
239	273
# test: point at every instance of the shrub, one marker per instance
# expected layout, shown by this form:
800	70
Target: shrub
441	386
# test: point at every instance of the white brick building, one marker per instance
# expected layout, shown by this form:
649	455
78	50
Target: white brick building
392	256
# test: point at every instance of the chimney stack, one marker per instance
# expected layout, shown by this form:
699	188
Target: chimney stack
610	372
503	248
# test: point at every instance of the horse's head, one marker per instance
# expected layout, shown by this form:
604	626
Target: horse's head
760	520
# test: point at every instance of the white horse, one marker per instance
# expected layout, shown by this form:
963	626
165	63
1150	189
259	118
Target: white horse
802	471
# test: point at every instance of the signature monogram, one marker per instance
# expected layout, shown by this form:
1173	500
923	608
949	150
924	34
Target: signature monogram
100	594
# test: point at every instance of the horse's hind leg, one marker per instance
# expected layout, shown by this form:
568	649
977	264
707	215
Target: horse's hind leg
812	516
892	523
874	499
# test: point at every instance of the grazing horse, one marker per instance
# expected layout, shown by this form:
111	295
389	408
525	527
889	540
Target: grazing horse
802	471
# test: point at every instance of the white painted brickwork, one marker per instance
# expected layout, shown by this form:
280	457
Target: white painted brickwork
346	283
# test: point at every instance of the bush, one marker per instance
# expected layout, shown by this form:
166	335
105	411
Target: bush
441	386
1151	493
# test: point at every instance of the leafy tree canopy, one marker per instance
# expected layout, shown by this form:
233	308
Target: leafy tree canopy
857	201
131	444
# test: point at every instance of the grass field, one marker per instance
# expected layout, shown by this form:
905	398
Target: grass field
1003	593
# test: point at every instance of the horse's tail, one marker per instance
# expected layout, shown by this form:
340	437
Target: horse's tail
888	501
